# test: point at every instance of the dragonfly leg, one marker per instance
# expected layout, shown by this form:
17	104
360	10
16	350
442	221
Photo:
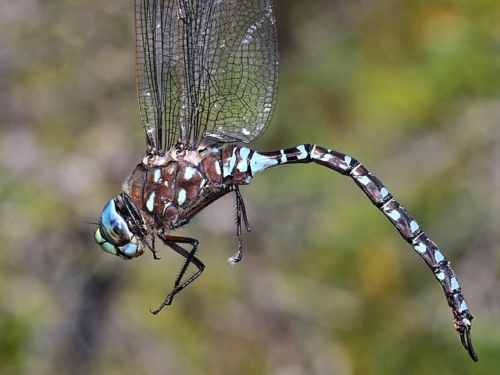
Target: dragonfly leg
173	242
241	213
152	248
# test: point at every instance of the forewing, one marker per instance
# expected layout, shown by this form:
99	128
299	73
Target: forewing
205	69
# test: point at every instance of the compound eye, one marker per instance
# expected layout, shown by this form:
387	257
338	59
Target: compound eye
105	245
113	227
131	250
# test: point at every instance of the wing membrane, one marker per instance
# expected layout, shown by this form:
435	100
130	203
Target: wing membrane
205	69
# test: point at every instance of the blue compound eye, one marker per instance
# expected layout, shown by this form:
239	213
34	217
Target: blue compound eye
114	235
131	250
105	245
113	227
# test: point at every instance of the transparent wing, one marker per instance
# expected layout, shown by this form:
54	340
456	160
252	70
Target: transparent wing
205	68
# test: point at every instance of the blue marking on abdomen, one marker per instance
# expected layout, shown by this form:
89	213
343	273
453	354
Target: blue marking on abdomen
243	163
259	162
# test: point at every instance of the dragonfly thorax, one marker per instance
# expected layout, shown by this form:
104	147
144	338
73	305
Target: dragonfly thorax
170	187
164	192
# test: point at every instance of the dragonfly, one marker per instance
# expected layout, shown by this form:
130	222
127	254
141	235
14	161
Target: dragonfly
206	80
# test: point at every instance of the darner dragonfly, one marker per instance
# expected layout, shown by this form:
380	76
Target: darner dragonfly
206	81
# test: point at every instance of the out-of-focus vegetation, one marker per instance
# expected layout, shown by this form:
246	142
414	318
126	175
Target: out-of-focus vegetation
326	286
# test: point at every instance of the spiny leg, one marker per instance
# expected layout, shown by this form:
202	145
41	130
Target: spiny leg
173	242
152	248
240	213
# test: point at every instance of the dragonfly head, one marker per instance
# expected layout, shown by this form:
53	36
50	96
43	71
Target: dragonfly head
121	228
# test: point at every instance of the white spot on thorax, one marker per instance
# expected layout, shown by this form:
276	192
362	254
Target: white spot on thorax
150	203
157	175
228	169
181	198
189	172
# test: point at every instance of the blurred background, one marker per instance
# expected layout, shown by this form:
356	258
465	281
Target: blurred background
326	285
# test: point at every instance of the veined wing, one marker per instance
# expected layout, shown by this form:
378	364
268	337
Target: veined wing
205	69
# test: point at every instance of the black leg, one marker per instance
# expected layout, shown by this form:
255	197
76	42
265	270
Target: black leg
173	242
241	213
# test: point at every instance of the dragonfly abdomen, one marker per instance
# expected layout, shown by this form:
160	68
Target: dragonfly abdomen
379	195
